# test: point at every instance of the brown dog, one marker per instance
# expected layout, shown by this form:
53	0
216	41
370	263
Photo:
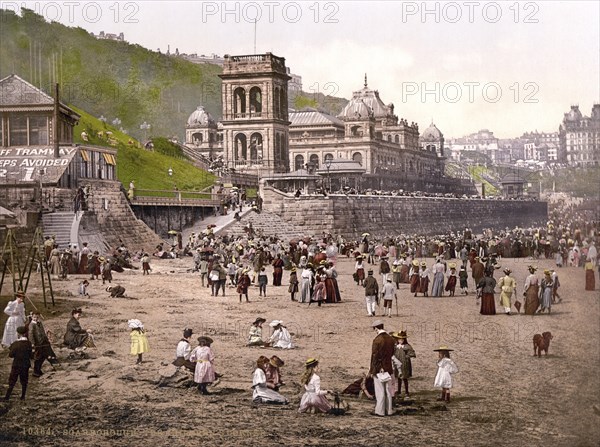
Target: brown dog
541	343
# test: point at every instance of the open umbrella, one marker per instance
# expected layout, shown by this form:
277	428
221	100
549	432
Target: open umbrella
173	232
365	234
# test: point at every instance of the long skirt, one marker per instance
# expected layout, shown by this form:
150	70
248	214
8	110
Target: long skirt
404	274
488	306
305	291
360	274
532	302
83	264
424	285
590	280
313	400
451	285
414	283
329	291
437	288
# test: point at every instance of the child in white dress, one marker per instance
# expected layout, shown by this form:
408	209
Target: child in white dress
446	367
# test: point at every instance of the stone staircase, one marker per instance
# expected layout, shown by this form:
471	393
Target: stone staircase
270	224
59	224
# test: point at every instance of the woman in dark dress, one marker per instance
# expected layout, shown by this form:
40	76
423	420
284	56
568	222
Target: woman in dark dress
486	286
76	337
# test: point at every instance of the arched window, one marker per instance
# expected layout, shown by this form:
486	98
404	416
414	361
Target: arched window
255	100
389	138
397	139
197	138
299	162
314	161
282	103
276	97
256	142
239	101
327	157
357	157
241	147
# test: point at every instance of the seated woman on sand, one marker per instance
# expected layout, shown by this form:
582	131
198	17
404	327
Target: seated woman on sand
363	386
262	393
76	337
281	337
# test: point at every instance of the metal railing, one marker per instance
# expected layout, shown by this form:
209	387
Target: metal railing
171	197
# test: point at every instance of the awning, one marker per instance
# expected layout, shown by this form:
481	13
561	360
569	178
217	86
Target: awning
84	155
109	158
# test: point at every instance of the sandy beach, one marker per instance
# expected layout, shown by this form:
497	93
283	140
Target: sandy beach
503	394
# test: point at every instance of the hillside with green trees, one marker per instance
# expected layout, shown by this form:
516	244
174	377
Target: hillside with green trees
108	78
118	80
149	168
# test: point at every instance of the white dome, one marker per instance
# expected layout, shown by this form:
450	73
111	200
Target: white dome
199	118
432	133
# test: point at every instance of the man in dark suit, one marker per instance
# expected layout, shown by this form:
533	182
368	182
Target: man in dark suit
20	351
381	362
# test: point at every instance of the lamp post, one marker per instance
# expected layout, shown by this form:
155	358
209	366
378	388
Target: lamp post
145	126
328	166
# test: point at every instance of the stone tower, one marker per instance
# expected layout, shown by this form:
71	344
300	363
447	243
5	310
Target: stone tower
255	113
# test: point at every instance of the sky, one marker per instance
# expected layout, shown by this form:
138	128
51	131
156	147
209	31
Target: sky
507	66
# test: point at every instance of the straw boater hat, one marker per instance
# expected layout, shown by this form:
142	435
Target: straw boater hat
311	362
452	265
19	293
415	263
423	264
547	272
275	323
259	320
294	269
276	362
443	348
531	268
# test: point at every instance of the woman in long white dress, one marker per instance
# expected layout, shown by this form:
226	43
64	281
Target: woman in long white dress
261	393
16	317
314	397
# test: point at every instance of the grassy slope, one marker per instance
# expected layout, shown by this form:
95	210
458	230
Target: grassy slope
149	169
103	77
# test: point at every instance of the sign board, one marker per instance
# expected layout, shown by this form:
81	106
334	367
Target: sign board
27	163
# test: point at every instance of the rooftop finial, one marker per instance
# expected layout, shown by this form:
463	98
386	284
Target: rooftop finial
365	80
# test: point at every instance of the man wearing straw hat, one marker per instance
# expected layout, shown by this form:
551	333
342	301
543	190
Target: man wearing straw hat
381	369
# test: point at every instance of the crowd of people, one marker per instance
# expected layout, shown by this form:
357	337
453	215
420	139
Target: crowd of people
462	259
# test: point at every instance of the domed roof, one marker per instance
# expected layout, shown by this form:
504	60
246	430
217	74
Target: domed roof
365	98
200	117
432	133
574	114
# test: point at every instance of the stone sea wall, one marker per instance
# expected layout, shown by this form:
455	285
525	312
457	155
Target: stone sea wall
385	215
